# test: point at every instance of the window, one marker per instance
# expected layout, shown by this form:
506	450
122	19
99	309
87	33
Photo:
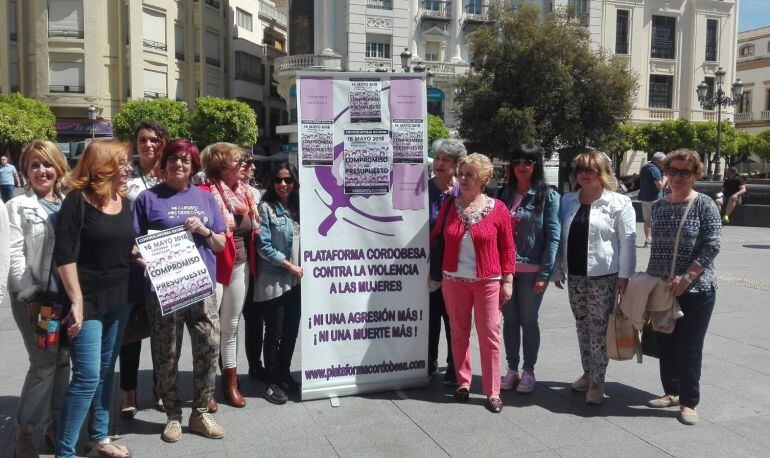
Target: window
212	49
154	84
243	19
621	32
581	7
711	40
14	77
179	42
663	35
180	90
378	47
153	29
432	51
65	18
473	6
767	99
747	51
745	104
661	90
710	93
12	35
432	5
66	77
249	68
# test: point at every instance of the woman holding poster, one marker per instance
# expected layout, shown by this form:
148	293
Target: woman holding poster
277	287
225	167
479	263
172	203
95	214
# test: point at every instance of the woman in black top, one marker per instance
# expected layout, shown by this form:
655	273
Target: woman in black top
94	238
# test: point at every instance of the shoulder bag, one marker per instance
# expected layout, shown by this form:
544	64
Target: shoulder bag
437	249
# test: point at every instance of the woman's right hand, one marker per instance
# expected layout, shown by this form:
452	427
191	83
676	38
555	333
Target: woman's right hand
74	320
296	271
559	284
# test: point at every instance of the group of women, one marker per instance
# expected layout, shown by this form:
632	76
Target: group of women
500	254
75	230
72	241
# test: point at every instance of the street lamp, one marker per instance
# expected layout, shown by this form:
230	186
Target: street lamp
429	78
92	117
719	99
406	58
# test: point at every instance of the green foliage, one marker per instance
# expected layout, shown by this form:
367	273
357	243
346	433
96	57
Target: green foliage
436	129
23	120
171	113
535	81
223	120
706	138
763	145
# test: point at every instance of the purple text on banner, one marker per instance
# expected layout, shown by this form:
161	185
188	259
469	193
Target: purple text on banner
406	98
316	99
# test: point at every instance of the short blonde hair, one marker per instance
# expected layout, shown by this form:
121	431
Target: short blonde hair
595	160
686	155
217	156
95	170
480	164
51	154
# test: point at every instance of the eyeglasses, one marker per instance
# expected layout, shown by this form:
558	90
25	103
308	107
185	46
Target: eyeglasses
242	161
466	176
183	159
287	180
683	173
586	170
522	162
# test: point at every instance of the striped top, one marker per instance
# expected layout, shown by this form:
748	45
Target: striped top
699	242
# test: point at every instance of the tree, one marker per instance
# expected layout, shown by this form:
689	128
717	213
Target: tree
763	145
171	113
23	120
706	141
535	81
617	144
223	120
436	129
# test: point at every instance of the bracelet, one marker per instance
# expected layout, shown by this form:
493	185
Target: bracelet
211	234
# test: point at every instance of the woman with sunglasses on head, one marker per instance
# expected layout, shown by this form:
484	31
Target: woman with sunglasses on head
534	208
92	251
149	139
598	256
175	202
225	167
277	287
32	285
694	281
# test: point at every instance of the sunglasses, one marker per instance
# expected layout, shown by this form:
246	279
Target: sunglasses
522	162
683	173
279	180
586	170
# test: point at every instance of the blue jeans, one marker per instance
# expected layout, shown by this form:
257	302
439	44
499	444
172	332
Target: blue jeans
520	314
6	192
681	352
93	352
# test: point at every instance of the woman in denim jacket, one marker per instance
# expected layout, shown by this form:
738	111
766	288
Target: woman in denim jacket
277	285
534	209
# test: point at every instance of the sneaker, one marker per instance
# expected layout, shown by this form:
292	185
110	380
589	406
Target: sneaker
275	394
172	432
581	384
664	401
432	368
450	378
725	219
527	383
595	393
509	380
203	423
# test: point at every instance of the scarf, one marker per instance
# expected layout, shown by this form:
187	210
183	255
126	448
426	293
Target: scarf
235	202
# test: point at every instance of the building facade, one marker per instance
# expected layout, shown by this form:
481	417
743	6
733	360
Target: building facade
753	113
72	54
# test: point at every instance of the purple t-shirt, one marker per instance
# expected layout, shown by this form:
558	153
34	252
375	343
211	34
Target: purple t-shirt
161	207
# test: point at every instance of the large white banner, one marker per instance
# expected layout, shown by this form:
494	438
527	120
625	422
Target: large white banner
364	237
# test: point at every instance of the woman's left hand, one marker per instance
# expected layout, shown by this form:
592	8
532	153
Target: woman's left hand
506	291
676	285
196	226
620	286
540	285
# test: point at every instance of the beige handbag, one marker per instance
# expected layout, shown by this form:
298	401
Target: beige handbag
623	340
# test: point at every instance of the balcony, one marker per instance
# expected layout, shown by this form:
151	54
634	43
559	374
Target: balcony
319	62
744	117
57	88
436	9
213	3
710	116
270	13
213	61
764	115
154	45
380	4
476	12
154	95
179	55
69	33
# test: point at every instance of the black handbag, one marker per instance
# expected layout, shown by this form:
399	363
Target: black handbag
650	341
437	249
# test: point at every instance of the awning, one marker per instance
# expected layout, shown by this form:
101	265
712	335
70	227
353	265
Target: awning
435	94
82	128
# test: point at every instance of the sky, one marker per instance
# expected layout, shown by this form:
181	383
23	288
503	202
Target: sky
753	14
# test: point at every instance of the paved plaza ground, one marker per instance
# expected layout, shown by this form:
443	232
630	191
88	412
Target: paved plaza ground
552	421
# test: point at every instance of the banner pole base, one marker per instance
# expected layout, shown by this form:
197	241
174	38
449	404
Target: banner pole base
335	401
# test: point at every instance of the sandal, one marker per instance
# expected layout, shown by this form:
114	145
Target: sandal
128	412
106	449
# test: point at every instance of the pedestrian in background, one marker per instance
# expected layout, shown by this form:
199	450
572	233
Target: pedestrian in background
694	281
732	192
597	255
478	266
94	238
534	209
651	183
442	187
9	179
33	284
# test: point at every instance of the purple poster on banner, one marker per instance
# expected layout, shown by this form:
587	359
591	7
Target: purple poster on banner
407	125
316	102
367	162
406	98
408	186
365	103
316	142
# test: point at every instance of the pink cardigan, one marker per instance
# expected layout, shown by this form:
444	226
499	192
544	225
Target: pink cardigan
492	240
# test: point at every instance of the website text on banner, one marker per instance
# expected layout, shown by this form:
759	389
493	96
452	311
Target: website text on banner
364	240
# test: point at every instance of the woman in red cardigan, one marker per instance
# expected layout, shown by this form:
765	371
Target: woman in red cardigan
478	265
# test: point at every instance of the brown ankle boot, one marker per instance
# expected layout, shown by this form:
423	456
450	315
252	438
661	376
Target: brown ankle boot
230	388
213	407
25	446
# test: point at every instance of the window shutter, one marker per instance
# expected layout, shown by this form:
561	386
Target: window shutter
155	83
67	73
154	26
65	15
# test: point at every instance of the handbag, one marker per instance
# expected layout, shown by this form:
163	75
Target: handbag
650	341
622	338
437	249
48	332
138	327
